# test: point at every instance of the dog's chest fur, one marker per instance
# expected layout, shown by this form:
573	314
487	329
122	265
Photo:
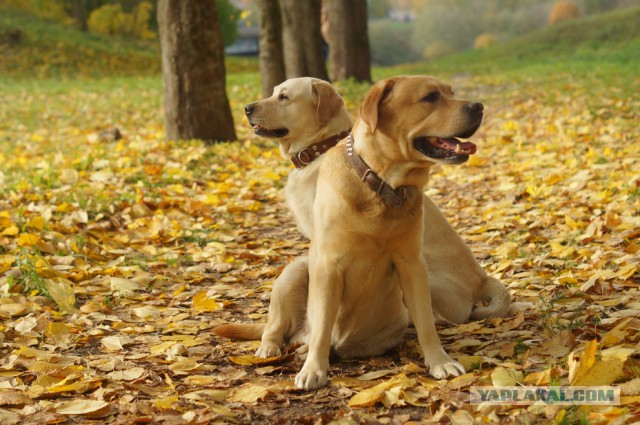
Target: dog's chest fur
300	193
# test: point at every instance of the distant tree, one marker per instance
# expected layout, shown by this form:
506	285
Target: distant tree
302	39
195	99
563	11
349	53
79	11
272	70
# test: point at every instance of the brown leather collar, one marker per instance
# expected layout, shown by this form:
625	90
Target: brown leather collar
308	154
393	198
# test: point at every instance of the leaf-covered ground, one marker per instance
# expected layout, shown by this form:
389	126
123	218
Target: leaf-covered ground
118	257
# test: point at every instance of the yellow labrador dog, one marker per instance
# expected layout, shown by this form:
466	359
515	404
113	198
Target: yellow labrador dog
367	270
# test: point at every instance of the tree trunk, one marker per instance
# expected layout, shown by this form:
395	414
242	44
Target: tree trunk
348	40
78	11
302	40
195	97
271	56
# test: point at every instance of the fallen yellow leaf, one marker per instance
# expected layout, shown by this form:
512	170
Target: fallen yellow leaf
588	370
503	377
58	331
28	239
470	362
112	343
36	223
249	360
14	398
168	402
378	393
11	231
249	394
202	303
369	396
61	290
80	407
617	334
184	365
561	251
127	374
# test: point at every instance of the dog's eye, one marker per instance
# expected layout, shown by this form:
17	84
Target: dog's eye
283	97
431	97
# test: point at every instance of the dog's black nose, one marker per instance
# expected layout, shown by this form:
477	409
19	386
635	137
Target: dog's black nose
475	107
248	110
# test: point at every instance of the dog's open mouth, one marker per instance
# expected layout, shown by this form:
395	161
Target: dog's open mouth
265	132
447	149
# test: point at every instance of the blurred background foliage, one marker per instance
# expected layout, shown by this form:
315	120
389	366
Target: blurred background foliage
93	38
127	18
433	28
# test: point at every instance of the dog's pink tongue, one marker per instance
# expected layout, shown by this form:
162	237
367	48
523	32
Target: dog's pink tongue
459	147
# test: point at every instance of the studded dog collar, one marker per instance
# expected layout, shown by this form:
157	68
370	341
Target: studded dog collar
393	198
310	153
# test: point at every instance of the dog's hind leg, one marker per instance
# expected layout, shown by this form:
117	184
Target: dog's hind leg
287	310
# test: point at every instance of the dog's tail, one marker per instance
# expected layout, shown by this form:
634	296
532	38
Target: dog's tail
498	300
243	331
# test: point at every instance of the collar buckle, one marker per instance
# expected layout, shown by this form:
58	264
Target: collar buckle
393	198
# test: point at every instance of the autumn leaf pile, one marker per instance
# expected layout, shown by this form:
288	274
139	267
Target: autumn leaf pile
120	251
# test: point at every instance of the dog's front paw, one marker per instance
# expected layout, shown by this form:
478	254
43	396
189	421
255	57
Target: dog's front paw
268	350
444	369
310	378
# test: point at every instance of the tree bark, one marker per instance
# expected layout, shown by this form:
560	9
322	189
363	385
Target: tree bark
349	51
272	70
302	39
195	97
79	13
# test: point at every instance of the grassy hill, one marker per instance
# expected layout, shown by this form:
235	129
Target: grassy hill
612	38
49	49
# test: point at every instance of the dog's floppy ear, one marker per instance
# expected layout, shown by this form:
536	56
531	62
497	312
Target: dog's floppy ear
328	101
370	108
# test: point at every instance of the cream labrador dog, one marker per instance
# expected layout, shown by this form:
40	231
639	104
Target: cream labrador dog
367	270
